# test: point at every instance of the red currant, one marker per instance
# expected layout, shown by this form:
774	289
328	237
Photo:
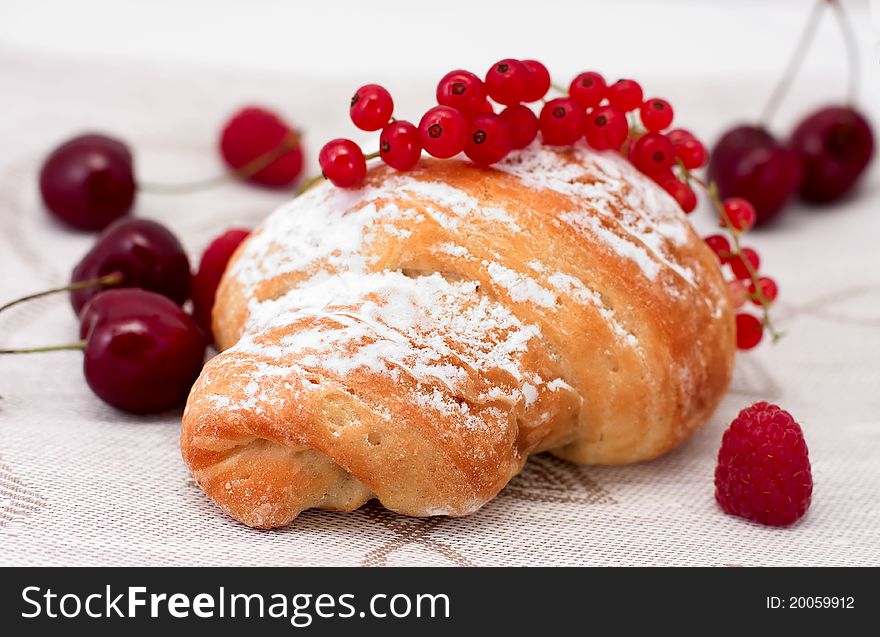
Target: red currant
606	128
749	331
371	107
508	82
680	191
652	153
489	139
738	263
88	182
213	264
769	290
562	121
539	81
740	213
688	148
738	293
400	145
486	107
343	163
461	90
588	89
251	133
523	124
656	114
720	246
624	95
444	131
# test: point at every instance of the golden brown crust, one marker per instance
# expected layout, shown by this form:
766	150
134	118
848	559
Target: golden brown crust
416	340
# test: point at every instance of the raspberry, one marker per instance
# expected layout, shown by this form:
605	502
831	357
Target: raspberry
254	132
763	471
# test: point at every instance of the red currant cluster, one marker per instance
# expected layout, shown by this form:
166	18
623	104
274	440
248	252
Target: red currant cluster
613	117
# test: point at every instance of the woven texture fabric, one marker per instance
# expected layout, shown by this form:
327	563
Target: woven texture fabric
82	484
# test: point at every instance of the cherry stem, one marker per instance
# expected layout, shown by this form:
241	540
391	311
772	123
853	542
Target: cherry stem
852	54
78	345
251	168
108	280
794	63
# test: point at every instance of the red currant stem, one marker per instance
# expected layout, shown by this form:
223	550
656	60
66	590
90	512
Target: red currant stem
852	54
78	345
556	87
711	190
108	280
372	155
248	170
794	63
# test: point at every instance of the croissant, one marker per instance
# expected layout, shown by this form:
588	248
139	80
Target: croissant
416	339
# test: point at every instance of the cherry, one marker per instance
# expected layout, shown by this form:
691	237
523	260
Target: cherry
509	82
114	304
749	331
400	145
748	162
538	82
144	253
739	214
835	145
255	134
371	107
211	268
624	95
769	290
652	153
461	90
588	89
688	148
144	354
562	121
656	114
444	131
343	163
88	181
489	139
738	263
523	124
720	246
606	128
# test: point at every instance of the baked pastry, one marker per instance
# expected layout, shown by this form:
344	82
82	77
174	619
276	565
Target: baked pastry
416	339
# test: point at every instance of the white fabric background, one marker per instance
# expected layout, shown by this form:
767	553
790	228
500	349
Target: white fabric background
81	483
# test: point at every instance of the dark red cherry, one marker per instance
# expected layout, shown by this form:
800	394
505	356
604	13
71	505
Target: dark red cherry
144	252
143	353
211	269
88	181
749	162
836	145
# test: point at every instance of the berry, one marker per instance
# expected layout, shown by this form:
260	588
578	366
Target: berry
371	107
738	293
489	139
652	153
562	121
738	263
252	133
142	353
835	145
740	214
444	132
588	89
689	149
606	128
343	163
624	95
400	145
144	252
88	182
680	191
748	162
538	82
211	268
749	331
720	246
523	124
656	114
509	82
769	290
763	471
463	91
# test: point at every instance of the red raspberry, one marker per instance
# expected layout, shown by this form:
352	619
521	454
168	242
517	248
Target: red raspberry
763	471
254	132
211	268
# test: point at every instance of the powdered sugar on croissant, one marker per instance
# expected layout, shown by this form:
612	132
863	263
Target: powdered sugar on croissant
416	339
